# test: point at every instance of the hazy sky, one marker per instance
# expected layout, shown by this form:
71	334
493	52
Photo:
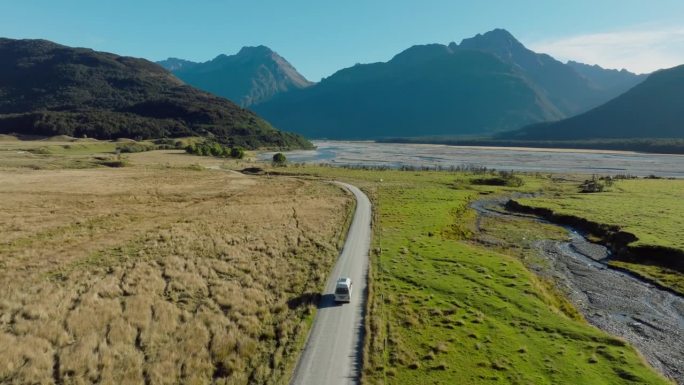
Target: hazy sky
319	37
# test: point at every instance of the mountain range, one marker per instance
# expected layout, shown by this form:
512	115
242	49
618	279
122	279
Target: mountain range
425	90
51	89
253	75
487	85
484	85
652	109
615	81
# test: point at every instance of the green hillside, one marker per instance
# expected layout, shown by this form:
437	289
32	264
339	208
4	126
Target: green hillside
49	89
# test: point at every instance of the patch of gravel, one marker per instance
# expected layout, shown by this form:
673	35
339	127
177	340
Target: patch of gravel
620	304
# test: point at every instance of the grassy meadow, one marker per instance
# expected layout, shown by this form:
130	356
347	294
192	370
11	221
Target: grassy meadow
650	209
169	270
446	307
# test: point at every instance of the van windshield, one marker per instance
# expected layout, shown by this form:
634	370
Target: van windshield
341	290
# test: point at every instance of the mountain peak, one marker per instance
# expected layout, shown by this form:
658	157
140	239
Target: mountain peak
420	53
260	50
572	88
499	33
497	40
254	74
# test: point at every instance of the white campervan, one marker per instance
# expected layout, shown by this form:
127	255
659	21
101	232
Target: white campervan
343	290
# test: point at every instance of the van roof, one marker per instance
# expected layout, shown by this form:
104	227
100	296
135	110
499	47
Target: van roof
344	281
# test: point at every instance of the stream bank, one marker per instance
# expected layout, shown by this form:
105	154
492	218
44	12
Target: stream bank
618	241
649	318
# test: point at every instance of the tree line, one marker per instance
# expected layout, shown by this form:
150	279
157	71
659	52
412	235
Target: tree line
213	148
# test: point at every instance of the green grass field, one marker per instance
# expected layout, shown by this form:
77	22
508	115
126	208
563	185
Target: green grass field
445	309
651	209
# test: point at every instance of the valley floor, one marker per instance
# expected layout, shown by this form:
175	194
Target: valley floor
175	268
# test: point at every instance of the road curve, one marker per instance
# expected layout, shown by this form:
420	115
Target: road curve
332	354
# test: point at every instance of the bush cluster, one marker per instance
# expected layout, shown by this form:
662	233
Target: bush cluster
134	147
504	178
168	144
596	184
213	148
279	160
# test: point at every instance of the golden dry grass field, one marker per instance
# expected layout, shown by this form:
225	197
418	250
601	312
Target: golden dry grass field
161	272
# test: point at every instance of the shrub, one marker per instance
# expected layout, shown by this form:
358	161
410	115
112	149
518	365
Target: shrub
114	163
593	185
216	149
505	178
134	147
237	153
164	142
279	159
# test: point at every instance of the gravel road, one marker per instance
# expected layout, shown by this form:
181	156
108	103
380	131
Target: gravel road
332	354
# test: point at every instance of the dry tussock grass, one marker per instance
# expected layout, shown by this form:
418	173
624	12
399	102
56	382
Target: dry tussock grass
158	275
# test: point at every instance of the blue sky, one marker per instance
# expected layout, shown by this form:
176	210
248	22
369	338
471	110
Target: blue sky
320	37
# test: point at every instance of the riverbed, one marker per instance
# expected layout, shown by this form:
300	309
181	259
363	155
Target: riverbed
518	159
649	318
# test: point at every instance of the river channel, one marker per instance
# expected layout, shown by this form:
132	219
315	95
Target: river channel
649	318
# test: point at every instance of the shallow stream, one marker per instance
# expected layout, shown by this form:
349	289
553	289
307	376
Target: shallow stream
649	318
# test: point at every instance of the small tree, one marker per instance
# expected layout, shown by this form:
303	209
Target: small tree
279	159
216	149
237	153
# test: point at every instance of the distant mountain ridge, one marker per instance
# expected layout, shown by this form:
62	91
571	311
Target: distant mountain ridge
175	64
486	84
253	75
570	90
616	81
51	89
425	90
652	109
